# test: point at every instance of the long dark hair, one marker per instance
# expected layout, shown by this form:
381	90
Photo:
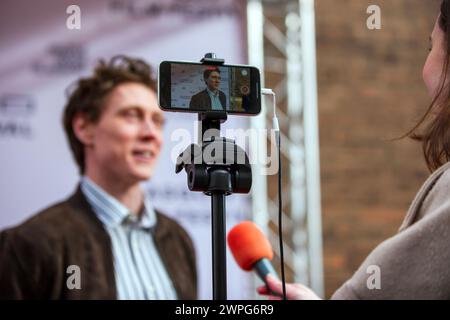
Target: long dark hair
435	137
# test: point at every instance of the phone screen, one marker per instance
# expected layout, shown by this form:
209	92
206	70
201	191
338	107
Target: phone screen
195	87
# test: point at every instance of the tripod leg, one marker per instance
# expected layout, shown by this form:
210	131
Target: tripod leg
219	260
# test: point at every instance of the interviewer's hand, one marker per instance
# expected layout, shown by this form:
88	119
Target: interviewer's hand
294	291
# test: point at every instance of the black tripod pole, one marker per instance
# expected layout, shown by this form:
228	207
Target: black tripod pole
219	269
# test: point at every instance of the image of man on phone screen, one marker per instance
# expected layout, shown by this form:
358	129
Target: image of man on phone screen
211	98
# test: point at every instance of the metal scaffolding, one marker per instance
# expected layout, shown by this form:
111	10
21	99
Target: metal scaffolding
281	44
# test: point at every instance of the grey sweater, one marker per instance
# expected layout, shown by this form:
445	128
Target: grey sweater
415	263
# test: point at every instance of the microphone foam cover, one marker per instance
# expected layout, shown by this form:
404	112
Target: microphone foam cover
248	244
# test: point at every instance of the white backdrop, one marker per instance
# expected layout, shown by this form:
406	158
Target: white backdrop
40	57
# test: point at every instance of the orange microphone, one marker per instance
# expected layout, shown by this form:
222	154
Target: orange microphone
251	249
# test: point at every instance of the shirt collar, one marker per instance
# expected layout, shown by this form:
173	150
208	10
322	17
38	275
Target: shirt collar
111	212
211	93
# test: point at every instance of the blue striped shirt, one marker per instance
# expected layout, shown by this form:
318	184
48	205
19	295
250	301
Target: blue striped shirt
139	271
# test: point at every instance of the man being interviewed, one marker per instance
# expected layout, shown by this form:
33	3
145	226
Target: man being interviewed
211	98
108	230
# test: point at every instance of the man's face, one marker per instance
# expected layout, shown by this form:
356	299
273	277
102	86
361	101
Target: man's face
213	81
126	141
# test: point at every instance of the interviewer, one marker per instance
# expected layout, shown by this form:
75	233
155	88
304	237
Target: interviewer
415	263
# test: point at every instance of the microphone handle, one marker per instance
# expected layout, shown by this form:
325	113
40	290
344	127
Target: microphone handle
263	267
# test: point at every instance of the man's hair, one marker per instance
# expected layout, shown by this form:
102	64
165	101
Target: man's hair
208	71
87	95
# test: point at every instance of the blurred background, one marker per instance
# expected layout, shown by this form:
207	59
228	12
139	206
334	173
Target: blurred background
343	91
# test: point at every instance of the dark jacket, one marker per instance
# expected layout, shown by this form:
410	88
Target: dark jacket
34	256
202	101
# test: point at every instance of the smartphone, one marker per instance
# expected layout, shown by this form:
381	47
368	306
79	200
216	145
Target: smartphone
197	87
